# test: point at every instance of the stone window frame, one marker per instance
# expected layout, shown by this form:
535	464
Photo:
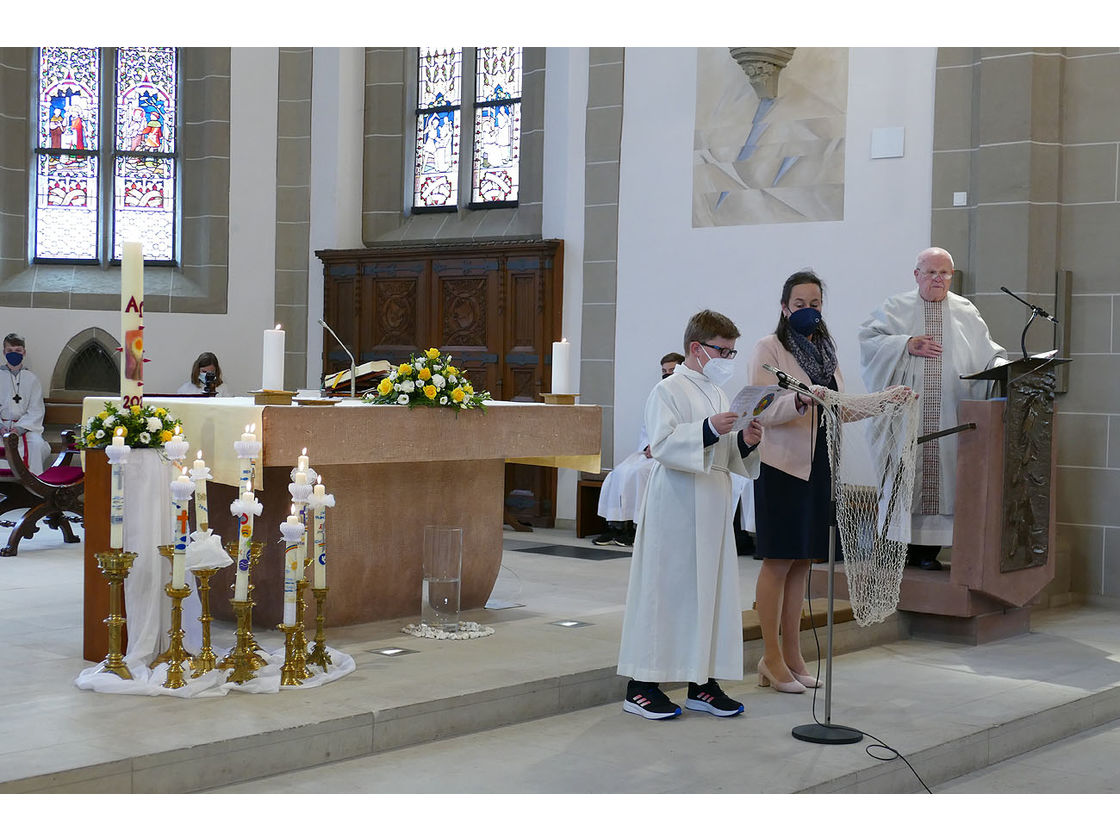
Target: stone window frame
199	283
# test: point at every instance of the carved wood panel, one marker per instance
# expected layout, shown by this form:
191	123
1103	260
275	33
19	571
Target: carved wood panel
495	307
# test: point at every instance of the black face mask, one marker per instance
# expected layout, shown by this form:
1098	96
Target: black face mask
666	375
13	358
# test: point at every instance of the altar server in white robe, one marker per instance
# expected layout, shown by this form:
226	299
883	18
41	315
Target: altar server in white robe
625	485
683	620
927	338
21	407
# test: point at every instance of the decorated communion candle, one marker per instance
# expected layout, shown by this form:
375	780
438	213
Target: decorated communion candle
245	536
116	497
201	506
132	323
302	462
319	541
180	519
272	374
561	367
291	564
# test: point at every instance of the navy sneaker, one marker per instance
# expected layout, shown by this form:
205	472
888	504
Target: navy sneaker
710	698
649	701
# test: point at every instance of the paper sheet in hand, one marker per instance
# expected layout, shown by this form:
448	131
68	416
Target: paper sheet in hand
751	402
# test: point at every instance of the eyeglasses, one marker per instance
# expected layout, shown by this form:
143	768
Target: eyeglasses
944	275
724	352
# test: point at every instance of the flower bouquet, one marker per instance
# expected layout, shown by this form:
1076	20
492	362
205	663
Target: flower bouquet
143	425
427	378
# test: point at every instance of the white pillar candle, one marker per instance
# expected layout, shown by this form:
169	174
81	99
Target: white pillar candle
301	477
272	374
201	504
132	323
245	536
116	497
302	462
319	541
562	367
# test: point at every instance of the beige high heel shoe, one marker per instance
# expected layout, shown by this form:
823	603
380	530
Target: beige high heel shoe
765	678
806	680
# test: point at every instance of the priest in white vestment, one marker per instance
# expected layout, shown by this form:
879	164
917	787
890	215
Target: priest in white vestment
683	620
927	338
21	407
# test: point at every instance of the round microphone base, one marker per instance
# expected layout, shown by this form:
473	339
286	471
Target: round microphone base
819	733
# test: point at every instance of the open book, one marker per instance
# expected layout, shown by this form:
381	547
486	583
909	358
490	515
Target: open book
333	381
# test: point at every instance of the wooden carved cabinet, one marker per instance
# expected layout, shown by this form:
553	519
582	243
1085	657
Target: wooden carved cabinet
494	306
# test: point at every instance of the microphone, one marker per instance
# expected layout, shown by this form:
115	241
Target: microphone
787	381
353	364
1038	310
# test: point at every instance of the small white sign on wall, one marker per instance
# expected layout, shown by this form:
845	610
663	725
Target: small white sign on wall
887	142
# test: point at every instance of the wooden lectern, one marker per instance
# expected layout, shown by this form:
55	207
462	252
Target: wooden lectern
1003	519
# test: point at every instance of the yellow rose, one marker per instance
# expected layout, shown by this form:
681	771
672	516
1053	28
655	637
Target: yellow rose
467	387
430	391
161	412
384	387
452	370
90	438
457	395
136	409
102	415
432	353
165	436
404	370
424	374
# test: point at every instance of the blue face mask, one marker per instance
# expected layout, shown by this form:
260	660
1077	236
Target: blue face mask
805	320
14	359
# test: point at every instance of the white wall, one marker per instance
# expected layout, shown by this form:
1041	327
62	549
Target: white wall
563	187
172	342
667	270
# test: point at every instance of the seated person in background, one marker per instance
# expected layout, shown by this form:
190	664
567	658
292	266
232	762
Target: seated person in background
206	378
624	485
21	407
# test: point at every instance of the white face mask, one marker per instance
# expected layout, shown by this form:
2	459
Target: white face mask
718	369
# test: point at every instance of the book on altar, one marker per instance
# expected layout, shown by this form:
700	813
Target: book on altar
366	370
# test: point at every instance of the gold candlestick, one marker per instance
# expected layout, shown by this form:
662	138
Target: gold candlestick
115	565
300	641
176	653
167	551
256	548
319	655
291	672
206	660
243	658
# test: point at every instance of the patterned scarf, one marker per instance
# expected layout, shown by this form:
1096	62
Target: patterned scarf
817	360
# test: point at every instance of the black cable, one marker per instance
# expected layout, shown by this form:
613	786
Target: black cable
892	752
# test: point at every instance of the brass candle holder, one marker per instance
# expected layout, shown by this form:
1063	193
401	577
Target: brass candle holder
256	548
206	660
319	655
292	671
115	564
176	653
300	640
243	658
167	551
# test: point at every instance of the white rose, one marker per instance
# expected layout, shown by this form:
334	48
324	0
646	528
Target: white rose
110	422
154	424
453	379
402	399
408	386
438	381
145	437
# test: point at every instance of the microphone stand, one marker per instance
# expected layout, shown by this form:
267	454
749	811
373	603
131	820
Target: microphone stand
827	732
1035	312
353	364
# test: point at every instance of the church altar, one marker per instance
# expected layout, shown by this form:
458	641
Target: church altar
391	469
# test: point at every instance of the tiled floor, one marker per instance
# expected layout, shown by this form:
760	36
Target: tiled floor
535	707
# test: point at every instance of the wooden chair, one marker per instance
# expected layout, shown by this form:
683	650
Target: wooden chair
48	496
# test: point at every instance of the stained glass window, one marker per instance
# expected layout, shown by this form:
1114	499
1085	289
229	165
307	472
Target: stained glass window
66	194
497	125
144	164
438	101
136	166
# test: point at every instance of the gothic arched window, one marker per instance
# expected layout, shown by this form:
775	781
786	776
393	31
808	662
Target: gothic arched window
96	188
